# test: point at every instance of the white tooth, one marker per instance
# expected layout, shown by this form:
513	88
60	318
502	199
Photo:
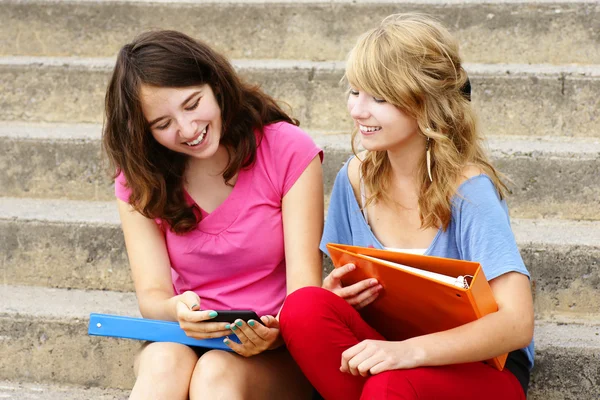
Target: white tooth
198	140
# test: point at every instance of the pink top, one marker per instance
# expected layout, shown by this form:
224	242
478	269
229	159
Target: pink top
235	259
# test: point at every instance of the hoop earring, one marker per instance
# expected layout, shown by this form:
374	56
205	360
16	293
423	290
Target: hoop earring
428	156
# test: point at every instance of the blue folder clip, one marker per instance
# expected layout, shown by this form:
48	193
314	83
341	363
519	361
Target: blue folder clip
148	329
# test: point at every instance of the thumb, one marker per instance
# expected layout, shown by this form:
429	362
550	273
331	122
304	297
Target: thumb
191	300
270	321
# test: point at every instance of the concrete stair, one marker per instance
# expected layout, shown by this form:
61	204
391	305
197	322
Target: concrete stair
511	99
32	328
12	390
320	30
554	177
535	70
79	244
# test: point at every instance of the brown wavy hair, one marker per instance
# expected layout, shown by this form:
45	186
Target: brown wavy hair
154	173
412	62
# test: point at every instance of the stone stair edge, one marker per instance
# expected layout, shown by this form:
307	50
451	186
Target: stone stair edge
541	231
316	2
52	391
476	69
76	305
515	145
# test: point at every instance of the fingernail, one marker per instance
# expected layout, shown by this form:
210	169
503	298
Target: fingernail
226	341
227	326
194	306
251	323
373	282
351	267
212	314
233	327
239	323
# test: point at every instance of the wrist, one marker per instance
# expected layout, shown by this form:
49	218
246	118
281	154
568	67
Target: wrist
278	342
418	353
171	307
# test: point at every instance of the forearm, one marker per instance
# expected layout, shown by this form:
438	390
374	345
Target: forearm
495	334
157	304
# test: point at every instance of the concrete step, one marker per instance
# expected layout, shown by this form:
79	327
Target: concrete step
44	339
44	391
78	244
510	99
551	177
491	31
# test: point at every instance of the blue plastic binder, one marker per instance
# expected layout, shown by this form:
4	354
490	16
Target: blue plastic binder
148	329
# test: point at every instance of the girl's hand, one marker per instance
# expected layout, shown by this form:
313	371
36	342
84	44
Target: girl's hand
255	337
195	322
370	357
359	295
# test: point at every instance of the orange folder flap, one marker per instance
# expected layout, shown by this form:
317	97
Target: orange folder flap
413	305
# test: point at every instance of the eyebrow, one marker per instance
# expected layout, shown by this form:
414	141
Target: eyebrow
182	104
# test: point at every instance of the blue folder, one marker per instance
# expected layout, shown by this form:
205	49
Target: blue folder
148	329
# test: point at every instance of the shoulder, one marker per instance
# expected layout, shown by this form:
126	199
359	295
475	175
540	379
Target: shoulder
353	172
283	131
468	172
283	138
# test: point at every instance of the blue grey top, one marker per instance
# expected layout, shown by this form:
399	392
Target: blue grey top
479	229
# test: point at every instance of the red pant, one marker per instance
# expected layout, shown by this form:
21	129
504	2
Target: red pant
318	326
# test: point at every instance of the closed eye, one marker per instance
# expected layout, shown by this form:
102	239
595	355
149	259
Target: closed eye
164	126
354	92
193	106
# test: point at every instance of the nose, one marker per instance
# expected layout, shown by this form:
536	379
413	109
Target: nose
357	107
188	128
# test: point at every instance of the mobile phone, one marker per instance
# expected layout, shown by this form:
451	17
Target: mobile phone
232	315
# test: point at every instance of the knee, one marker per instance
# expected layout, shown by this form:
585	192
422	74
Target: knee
308	307
302	304
213	368
165	360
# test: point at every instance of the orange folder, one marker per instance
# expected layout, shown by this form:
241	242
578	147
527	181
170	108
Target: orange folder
412	305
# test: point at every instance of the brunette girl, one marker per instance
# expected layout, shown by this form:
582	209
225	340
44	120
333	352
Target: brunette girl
221	203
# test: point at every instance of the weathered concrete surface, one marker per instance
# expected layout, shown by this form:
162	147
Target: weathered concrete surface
78	244
44	337
563	258
492	31
46	340
551	177
509	99
575	349
64	255
44	391
65	244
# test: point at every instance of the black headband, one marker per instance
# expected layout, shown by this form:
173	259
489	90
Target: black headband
466	89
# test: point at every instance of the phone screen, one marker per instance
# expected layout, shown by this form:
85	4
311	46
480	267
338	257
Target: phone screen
232	315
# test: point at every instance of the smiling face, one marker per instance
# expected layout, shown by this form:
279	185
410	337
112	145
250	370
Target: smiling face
185	120
381	125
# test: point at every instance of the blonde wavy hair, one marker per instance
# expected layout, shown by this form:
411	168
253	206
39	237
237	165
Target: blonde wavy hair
411	61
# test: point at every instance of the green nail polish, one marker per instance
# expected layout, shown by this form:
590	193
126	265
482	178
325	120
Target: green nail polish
239	323
233	327
212	314
251	323
227	326
226	341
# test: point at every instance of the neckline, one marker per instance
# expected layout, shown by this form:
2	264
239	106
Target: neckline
350	193
227	212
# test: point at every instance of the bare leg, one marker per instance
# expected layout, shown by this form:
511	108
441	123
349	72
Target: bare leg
269	375
163	371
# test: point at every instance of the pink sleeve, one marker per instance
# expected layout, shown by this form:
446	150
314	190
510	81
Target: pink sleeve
121	190
292	151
